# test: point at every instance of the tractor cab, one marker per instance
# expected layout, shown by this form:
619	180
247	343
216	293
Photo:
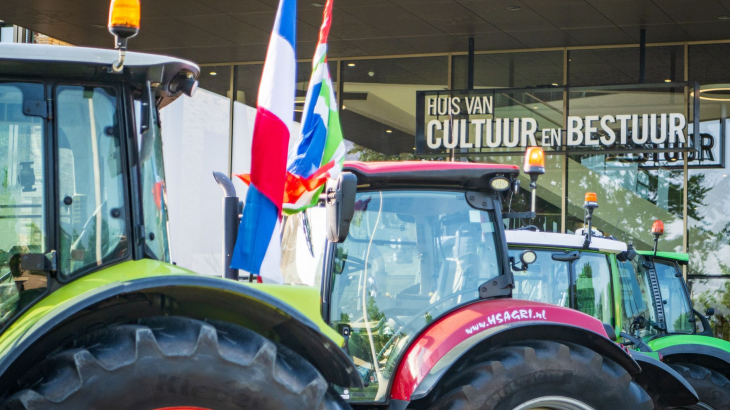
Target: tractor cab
77	138
423	238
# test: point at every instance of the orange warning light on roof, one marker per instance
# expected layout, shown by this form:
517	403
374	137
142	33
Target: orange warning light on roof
534	161
124	14
591	197
657	228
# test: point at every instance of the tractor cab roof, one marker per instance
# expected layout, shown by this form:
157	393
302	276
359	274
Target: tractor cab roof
429	173
562	240
94	64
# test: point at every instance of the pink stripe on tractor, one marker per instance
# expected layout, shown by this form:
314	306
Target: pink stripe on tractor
268	155
449	331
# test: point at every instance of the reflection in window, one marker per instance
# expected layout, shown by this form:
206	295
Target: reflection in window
583	284
677	308
402	265
713	293
631	198
378	107
91	185
22	190
621	65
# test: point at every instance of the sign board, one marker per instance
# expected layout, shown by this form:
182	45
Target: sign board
473	122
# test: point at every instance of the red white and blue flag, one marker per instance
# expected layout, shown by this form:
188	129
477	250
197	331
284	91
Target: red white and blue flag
258	246
319	153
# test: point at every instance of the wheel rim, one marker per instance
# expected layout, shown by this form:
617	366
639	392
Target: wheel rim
553	403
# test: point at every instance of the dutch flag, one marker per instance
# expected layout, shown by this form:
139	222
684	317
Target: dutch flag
258	246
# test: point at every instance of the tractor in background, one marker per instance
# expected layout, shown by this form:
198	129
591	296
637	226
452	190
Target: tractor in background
609	280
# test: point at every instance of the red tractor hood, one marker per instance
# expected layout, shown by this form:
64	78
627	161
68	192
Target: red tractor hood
470	322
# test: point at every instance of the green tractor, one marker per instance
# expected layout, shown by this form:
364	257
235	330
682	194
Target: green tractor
92	313
612	282
671	325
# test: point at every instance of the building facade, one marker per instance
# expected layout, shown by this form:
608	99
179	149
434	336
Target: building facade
646	172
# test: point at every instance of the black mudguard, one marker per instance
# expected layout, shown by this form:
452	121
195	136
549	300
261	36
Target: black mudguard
194	296
659	379
701	355
526	331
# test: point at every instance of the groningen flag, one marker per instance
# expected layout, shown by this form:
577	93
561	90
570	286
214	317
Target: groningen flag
320	150
258	246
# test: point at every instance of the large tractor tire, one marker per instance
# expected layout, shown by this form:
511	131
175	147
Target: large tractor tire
174	362
712	387
537	374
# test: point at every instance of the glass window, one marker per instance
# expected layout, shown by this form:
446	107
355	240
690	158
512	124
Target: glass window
546	280
378	108
621	65
510	70
631	198
677	308
22	193
402	265
708	292
636	298
216	79
93	215
154	190
583	284
708	219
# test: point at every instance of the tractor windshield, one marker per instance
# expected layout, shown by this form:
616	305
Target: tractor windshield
409	257
583	283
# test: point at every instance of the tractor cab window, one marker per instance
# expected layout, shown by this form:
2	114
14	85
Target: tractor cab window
583	284
92	209
154	188
409	257
546	280
677	307
22	192
637	303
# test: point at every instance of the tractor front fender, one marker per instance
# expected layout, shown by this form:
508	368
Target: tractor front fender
56	320
661	380
704	351
469	330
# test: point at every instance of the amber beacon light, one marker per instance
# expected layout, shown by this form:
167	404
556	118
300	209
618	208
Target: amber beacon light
124	16
657	229
534	167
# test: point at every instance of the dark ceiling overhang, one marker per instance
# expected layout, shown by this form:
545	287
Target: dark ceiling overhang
221	31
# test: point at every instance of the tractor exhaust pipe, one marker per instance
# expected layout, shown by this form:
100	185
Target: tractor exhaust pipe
231	219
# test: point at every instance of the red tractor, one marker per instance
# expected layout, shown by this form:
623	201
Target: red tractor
415	274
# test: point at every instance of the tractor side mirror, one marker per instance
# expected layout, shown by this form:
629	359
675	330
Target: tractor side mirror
340	205
710	312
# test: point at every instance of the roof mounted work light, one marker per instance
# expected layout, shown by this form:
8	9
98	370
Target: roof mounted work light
124	16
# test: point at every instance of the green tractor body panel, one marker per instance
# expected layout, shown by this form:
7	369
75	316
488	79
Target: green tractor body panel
305	300
681	258
662	343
